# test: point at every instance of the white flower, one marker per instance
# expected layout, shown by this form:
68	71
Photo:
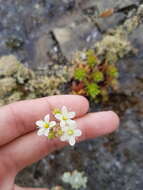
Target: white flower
64	116
76	179
70	132
45	126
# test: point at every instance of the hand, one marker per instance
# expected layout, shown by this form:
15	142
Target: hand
20	146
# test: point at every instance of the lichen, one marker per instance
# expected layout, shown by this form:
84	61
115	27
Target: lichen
18	82
113	47
7	85
44	86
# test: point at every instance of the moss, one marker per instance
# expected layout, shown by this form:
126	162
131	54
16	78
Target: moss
113	47
7	85
44	86
15	96
8	65
11	66
18	82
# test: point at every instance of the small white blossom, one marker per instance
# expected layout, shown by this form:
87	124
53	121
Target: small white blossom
70	132
76	179
45	126
64	116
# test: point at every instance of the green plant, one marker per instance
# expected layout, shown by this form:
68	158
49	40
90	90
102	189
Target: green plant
98	76
93	76
93	89
112	71
80	73
91	58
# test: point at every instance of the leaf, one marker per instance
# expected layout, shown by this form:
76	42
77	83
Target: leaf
114	84
93	90
91	58
112	71
80	74
76	87
98	76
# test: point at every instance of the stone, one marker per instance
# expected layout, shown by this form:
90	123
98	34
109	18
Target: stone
43	46
113	21
76	36
108	4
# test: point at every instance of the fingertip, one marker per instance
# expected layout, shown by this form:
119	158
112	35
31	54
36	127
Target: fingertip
115	119
98	124
84	102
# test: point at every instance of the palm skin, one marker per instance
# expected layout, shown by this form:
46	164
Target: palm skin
20	146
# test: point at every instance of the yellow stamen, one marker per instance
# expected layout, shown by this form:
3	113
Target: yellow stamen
46	125
65	118
70	132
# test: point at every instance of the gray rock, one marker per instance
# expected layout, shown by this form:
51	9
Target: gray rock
110	22
43	46
104	5
76	36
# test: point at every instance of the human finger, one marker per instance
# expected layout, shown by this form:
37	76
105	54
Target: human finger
19	118
31	148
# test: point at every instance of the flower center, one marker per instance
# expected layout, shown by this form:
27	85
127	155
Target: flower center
65	118
46	125
56	111
70	132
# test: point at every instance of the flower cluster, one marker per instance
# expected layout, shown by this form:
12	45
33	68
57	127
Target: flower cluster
64	127
76	179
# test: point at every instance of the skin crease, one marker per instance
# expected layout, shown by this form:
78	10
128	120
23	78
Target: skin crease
20	146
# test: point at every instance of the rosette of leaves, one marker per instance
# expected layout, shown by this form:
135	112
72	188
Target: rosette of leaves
93	76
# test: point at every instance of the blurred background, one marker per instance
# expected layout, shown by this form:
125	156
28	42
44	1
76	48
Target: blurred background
88	47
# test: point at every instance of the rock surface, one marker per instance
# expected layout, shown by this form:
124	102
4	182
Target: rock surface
114	162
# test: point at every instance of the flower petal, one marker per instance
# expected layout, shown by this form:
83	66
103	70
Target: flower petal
64	110
71	115
72	141
41	132
63	137
39	123
71	123
47	118
78	132
46	132
52	124
58	116
63	125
